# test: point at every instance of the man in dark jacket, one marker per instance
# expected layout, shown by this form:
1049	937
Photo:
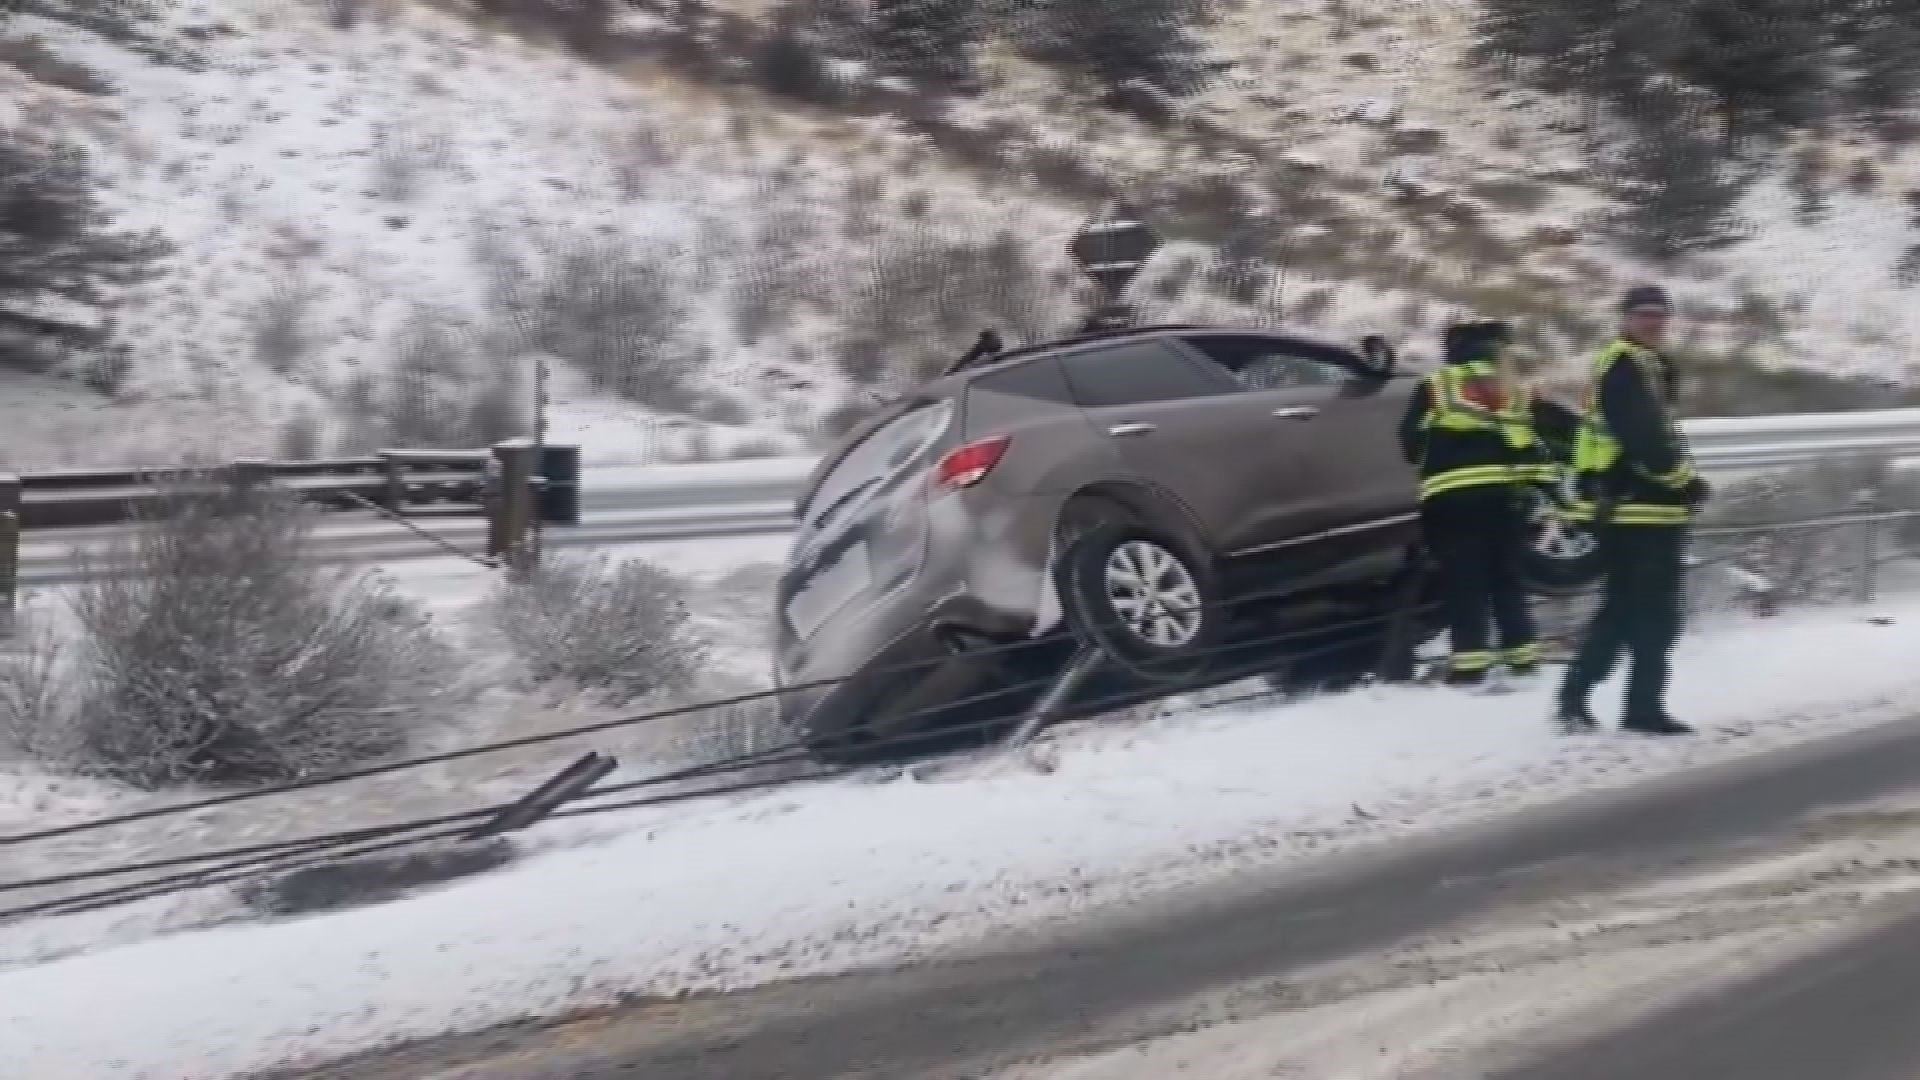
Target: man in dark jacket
1639	488
1470	432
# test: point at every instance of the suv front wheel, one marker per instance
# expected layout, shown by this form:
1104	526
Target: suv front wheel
1562	556
1132	592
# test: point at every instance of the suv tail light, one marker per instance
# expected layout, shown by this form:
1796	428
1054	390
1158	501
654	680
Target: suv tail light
967	465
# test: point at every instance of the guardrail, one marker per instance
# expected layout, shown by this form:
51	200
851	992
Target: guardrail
396	480
641	504
513	485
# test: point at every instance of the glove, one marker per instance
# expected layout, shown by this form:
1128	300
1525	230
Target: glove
1698	491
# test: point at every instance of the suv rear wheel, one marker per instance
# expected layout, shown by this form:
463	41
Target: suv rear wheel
1131	591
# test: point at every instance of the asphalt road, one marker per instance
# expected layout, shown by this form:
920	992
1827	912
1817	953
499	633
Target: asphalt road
1084	989
1845	1013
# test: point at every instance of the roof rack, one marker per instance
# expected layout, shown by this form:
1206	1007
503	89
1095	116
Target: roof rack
985	349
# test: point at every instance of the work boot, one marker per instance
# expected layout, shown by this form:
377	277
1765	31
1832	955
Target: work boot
1572	716
1659	723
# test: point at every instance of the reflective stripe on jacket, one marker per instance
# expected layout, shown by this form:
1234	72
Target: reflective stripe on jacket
1630	459
1475	433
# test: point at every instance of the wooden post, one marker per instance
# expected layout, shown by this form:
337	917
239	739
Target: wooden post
510	510
395	498
10	521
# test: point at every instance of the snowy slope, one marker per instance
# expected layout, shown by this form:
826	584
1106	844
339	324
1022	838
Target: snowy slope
824	877
364	175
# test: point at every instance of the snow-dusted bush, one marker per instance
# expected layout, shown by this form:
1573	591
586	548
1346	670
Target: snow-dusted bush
57	252
222	656
1115	43
301	436
616	309
750	729
1806	564
620	629
924	299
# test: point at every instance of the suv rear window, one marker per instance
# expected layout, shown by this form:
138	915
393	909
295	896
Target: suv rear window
888	449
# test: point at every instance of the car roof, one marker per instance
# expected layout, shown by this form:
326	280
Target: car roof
1081	342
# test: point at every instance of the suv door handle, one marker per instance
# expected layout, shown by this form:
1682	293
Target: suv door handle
1296	412
1132	429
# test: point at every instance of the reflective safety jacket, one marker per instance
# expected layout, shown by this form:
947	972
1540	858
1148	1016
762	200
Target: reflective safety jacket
1630	458
1464	430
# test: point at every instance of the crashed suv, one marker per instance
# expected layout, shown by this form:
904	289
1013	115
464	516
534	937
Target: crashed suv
1162	493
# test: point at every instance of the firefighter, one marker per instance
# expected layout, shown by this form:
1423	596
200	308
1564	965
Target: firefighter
1639	489
1469	429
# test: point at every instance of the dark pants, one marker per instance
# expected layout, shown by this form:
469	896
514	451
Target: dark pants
1639	616
1478	537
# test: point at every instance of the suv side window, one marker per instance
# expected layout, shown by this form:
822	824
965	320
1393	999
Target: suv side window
1139	372
1038	379
1258	363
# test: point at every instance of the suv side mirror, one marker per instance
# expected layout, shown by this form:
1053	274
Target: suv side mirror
1379	355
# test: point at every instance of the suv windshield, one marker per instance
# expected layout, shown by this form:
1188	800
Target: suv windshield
893	446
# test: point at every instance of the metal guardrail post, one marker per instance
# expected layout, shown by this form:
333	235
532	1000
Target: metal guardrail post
510	510
10	518
250	474
395	497
1867	502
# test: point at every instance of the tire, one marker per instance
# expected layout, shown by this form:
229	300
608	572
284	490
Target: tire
1130	590
1562	557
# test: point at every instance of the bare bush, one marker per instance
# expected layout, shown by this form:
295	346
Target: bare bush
617	311
405	157
441	393
278	327
729	734
623	630
34	686
791	57
61	268
422	406
301	437
584	26
218	655
1805	564
31	57
924	299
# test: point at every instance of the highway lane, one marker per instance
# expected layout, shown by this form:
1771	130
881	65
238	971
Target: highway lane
1849	1012
1161	968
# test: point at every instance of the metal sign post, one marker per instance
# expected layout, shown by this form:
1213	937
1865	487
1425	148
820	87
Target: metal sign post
1111	249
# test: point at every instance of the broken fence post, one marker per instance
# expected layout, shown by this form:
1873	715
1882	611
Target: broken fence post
564	786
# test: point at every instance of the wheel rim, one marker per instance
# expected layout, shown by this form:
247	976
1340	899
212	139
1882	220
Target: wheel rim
1154	594
1554	537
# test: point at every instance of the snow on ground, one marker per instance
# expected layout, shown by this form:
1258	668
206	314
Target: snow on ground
728	582
832	875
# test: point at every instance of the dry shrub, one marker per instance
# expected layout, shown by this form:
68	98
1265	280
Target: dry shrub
302	437
619	629
1807	565
280	326
615	309
924	299
208	650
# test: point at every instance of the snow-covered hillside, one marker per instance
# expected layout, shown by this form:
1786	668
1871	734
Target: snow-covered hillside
328	188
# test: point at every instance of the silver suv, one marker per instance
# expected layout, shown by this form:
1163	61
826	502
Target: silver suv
1155	491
